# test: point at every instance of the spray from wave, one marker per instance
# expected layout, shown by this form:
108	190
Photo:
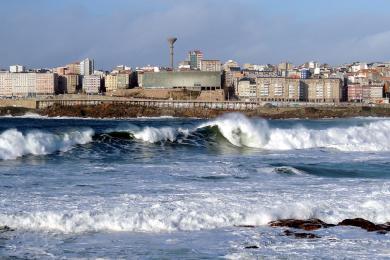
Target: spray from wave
154	135
14	144
241	131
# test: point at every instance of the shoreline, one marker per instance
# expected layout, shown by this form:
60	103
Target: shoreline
130	111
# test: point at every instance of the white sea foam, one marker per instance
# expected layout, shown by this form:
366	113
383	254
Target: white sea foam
240	131
192	215
14	144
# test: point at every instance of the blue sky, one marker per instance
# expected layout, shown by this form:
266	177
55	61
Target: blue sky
48	33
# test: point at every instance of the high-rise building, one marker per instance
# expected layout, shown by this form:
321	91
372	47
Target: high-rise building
195	58
87	67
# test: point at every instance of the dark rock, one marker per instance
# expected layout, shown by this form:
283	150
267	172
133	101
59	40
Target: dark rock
364	224
308	225
246	226
300	235
251	247
4	229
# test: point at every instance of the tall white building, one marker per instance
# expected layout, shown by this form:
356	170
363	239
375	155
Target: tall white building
24	84
91	84
5	85
87	67
16	68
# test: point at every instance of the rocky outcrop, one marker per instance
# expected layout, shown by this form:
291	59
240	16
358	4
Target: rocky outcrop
365	224
315	224
123	111
308	225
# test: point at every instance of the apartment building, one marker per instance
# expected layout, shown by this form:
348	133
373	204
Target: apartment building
210	65
322	90
123	80
23	84
247	89
46	83
92	84
365	93
69	83
279	89
111	82
5	85
195	58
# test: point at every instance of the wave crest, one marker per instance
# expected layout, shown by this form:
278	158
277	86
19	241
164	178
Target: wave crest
14	144
242	132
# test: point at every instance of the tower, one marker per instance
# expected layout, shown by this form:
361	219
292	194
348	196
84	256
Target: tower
171	42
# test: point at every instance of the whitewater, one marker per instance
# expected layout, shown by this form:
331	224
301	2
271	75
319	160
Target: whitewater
190	188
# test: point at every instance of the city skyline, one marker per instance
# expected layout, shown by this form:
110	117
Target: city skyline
135	33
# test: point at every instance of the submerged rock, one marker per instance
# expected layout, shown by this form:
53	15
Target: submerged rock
308	225
246	226
300	235
4	229
251	247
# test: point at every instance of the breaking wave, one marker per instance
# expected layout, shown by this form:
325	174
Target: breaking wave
14	144
205	214
235	129
241	131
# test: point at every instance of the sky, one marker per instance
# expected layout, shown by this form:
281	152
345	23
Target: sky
50	33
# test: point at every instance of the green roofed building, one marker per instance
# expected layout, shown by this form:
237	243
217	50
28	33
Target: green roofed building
197	80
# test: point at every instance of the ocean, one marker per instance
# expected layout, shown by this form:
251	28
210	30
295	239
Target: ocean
187	188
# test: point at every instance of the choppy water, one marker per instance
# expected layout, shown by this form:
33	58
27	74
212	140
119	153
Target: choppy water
178	188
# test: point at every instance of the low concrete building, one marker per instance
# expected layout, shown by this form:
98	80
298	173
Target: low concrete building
197	80
279	89
92	84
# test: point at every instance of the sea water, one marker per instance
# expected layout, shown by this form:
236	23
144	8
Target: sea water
174	188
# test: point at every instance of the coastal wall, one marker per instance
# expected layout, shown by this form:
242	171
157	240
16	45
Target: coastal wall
25	103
